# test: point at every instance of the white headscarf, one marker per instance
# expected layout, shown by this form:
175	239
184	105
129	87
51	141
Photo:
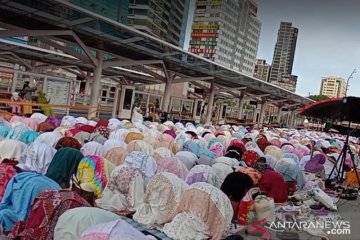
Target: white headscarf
72	223
39	117
68	121
136	116
93	149
81	120
11	149
161	199
114	230
224	166
37	157
203	173
114	124
119	134
49	138
113	143
189	159
92	123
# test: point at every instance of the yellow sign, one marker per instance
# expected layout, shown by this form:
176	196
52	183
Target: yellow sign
205	26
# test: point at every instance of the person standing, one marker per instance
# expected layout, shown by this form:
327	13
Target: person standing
26	94
15	108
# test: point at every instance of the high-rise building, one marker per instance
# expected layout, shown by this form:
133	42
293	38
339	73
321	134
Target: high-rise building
283	59
262	70
161	18
226	32
114	9
333	86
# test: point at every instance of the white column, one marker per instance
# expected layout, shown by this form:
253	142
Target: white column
95	87
13	84
167	94
279	113
210	103
292	119
262	113
241	107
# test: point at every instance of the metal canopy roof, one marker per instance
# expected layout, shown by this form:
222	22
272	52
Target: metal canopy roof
61	60
120	40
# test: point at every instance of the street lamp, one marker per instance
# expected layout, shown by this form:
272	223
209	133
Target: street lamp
347	82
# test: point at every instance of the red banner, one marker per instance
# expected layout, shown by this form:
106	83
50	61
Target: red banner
203	35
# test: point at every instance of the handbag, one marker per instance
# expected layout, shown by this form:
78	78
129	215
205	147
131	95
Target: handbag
264	208
88	196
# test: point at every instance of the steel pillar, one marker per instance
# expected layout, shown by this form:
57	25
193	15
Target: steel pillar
95	87
210	103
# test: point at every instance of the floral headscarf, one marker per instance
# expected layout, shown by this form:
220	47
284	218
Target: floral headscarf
250	157
204	212
203	173
116	155
140	145
161	153
217	148
162	196
172	165
142	161
125	189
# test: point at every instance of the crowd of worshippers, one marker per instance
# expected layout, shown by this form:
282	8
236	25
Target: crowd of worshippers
74	178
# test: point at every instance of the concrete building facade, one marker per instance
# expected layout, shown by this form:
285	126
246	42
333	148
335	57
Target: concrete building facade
262	70
162	18
333	86
227	31
114	9
283	59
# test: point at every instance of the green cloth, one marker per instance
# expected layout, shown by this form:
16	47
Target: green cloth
48	111
63	165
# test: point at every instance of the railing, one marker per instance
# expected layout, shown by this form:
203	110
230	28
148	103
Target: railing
70	109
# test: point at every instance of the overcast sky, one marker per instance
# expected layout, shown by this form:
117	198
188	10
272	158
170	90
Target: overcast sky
328	41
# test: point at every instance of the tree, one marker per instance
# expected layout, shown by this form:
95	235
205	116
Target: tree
318	97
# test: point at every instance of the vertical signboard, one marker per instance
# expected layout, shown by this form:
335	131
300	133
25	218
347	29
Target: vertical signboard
57	92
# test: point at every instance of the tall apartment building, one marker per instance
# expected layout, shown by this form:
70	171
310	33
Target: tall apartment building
333	86
226	31
283	59
262	70
161	18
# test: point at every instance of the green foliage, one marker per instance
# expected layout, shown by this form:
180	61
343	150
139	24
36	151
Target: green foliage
318	97
229	102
